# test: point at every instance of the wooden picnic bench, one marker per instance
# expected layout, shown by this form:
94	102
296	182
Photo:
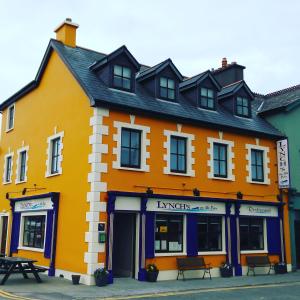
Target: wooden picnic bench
258	261
192	263
19	265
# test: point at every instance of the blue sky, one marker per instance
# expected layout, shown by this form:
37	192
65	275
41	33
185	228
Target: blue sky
262	35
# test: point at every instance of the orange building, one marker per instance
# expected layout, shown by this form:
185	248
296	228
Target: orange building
110	163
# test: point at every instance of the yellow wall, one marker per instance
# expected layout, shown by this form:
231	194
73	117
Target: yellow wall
58	102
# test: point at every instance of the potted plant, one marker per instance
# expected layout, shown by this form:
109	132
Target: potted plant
75	279
101	276
280	268
226	269
152	273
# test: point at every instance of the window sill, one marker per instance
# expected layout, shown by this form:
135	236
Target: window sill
180	174
212	253
254	252
207	109
7	182
170	254
132	169
259	182
222	178
8	130
30	249
19	182
52	175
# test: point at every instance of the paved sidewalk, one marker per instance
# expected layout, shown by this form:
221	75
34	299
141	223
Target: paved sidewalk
57	288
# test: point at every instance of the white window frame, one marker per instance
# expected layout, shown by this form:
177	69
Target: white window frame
223	251
263	251
11	154
8	117
49	154
190	149
18	165
266	158
145	142
184	239
230	156
21	237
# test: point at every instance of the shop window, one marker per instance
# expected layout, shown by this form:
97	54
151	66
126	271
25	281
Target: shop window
209	233
10	118
169	233
34	231
257	165
207	98
130	148
178	154
122	78
167	88
220	160
251	233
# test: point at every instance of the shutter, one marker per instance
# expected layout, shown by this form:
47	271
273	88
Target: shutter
15	232
49	229
191	235
273	235
150	233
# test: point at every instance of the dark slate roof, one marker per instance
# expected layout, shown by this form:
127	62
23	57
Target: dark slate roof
78	61
279	100
231	89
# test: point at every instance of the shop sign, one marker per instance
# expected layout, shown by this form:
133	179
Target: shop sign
33	205
259	210
283	164
169	205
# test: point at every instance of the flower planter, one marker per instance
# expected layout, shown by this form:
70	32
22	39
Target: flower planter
226	272
101	280
152	276
75	279
280	269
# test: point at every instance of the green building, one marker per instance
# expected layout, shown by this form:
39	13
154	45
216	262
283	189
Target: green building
282	110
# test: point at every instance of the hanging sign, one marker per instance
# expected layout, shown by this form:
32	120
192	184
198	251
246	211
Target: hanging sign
258	210
182	206
283	164
34	205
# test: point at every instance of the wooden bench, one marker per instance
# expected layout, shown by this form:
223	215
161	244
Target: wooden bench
258	261
192	263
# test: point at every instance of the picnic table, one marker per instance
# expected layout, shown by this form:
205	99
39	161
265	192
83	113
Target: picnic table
19	265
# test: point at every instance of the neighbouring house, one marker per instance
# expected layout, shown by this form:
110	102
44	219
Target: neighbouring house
282	110
107	162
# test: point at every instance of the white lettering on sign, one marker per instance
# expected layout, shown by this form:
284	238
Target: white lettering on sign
185	206
283	164
33	205
259	210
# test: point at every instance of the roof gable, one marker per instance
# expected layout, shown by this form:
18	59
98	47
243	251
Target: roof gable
157	69
233	88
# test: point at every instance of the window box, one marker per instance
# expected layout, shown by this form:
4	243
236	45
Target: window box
226	270
152	273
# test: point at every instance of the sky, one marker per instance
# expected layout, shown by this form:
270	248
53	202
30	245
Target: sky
262	35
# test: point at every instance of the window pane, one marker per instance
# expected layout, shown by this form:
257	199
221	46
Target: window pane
126	72
223	168
163	92
135	139
171	94
173	145
118	70
181	163
171	84
125	157
126	83
223	152
174	162
134	157
203	102
125	140
210	93
203	92
216	151
216	168
118	81
163	82
210	103
181	146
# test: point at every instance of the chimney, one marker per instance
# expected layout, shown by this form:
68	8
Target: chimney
224	62
66	32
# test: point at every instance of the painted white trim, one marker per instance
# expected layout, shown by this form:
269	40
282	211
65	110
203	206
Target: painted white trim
184	239
145	142
223	251
21	237
18	165
190	149
7	118
266	151
230	157
10	154
97	186
137	244
49	154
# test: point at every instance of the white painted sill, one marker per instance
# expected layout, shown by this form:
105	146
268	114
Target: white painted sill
8	130
7	182
254	252
19	182
179	174
259	182
170	254
52	175
131	169
30	249
222	178
212	253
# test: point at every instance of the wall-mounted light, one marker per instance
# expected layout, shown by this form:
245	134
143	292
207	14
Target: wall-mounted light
279	197
149	191
196	192
239	195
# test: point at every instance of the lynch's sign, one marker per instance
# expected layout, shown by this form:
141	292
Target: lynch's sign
170	205
258	210
34	205
283	164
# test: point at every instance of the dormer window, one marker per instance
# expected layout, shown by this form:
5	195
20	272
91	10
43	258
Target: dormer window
242	107
167	88
206	99
122	78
